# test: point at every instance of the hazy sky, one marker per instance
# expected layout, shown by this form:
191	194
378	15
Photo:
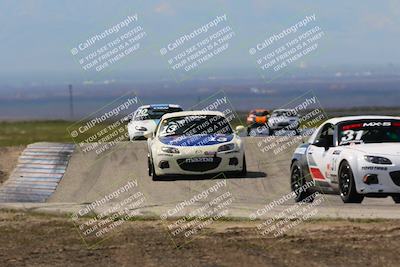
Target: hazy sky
37	35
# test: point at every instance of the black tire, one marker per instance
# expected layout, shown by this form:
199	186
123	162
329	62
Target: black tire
154	176
347	186
152	172
243	172
297	181
149	166
396	199
271	132
248	130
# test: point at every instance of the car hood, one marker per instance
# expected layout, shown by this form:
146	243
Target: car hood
389	149
196	140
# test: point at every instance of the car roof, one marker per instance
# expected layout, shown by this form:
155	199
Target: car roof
355	118
160	105
282	110
259	110
192	113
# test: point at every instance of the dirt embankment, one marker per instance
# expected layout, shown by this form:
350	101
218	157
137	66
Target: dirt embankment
8	160
44	240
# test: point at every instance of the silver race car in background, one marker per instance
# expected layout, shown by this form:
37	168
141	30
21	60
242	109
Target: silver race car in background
283	119
355	157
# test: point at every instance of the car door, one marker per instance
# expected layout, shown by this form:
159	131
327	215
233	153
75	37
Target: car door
319	154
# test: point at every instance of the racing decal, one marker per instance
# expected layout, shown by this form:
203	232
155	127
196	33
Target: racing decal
327	169
311	161
361	131
336	152
314	170
316	173
196	140
351	135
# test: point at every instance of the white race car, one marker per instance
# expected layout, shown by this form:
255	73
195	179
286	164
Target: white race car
283	119
146	118
355	157
193	143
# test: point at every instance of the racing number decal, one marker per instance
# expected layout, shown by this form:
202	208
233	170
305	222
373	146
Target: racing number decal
171	128
143	112
350	135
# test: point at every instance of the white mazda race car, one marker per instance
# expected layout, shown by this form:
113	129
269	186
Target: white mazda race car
146	118
355	157
193	143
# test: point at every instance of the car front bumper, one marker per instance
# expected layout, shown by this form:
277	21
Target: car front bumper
388	180
169	164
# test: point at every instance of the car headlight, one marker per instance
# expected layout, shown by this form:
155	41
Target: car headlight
172	150
141	128
378	160
226	147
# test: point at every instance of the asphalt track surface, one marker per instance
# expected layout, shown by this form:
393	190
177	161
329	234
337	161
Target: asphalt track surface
90	177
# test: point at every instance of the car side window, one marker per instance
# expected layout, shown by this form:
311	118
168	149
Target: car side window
326	133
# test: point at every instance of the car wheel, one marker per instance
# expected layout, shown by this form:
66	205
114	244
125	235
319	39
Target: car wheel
154	176
271	132
297	182
396	199
149	167
243	172
347	185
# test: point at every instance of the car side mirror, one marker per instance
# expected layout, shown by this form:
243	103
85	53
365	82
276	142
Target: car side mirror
322	143
149	135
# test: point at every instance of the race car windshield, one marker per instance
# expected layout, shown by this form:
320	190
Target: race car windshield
287	113
195	125
261	113
153	113
366	132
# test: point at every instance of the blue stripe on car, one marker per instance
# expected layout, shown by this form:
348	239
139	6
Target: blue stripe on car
196	140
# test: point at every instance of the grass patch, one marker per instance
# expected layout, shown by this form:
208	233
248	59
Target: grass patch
27	132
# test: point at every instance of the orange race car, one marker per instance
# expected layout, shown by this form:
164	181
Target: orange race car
256	118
